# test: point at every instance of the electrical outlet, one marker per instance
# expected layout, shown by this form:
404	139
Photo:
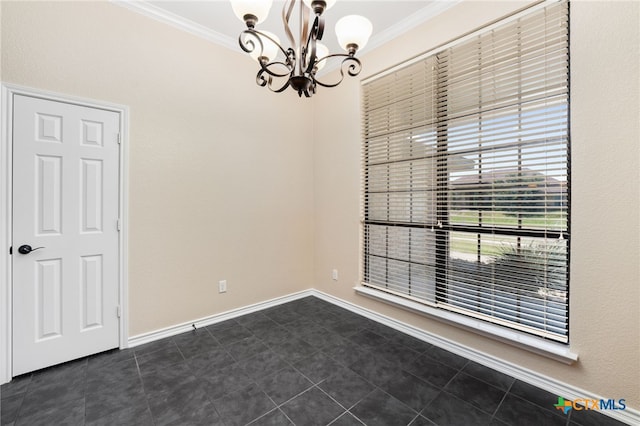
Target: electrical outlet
334	275
222	286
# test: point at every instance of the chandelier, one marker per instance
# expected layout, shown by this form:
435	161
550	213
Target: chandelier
297	65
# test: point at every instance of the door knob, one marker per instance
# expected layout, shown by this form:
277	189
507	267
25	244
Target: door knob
26	249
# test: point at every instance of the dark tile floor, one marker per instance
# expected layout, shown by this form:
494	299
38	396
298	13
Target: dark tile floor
304	363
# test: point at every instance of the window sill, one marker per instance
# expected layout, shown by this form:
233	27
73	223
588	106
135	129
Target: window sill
556	351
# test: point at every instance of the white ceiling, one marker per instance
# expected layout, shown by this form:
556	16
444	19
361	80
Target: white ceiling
215	20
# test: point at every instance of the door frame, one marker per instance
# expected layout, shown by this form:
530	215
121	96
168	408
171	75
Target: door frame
6	208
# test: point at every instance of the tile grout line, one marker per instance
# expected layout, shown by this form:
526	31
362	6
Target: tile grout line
86	373
24	396
485	381
495	412
146	396
289	364
223	347
346	413
313	384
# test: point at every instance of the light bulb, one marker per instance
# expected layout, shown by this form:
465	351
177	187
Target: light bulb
257	8
353	31
321	52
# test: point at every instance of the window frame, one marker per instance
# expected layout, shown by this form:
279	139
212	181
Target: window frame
442	231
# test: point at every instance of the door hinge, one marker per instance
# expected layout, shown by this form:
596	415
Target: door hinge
11	250
118	225
119	139
118	311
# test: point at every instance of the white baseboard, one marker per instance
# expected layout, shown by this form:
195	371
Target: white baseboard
629	416
570	392
141	339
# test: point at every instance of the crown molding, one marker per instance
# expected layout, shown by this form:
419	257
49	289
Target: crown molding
149	10
176	21
434	9
425	14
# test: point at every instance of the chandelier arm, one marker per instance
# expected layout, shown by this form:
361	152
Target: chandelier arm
281	89
287	10
265	67
260	79
308	59
317	30
304	31
304	22
318	25
352	65
269	81
249	45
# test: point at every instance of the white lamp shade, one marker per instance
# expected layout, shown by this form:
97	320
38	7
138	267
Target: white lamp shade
353	29
257	8
329	3
270	49
321	52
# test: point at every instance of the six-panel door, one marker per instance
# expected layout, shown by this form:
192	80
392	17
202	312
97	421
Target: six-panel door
65	200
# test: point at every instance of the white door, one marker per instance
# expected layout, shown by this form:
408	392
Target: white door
65	207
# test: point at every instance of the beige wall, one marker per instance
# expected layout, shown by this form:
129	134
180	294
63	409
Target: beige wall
218	189
605	194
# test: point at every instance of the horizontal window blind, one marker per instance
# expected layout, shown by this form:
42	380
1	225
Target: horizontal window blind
466	176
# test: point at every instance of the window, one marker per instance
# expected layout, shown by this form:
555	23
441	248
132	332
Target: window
466	176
